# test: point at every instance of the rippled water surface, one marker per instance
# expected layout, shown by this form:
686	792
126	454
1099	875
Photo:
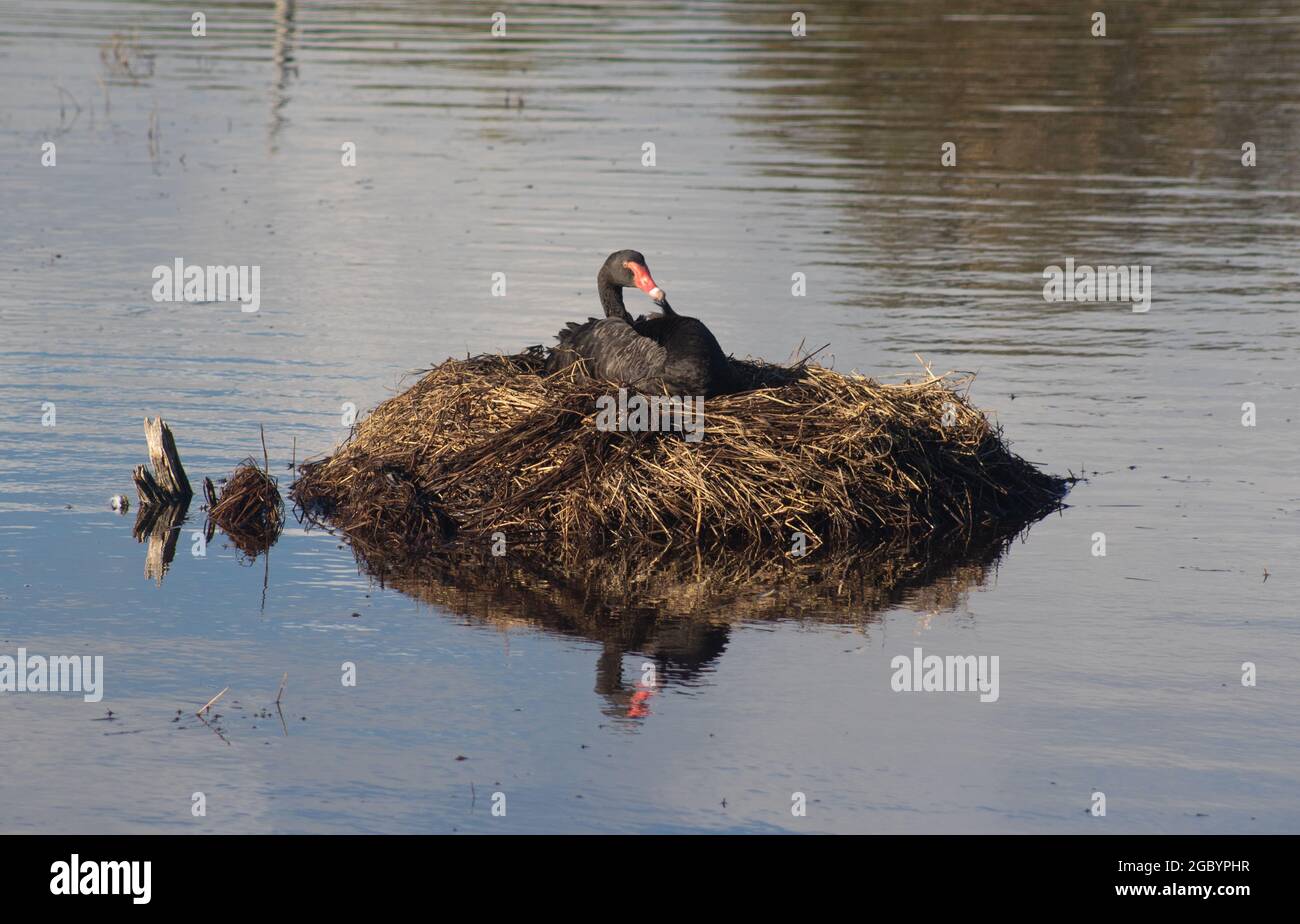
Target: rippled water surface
774	155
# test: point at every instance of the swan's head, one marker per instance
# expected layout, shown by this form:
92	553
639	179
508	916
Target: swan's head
627	268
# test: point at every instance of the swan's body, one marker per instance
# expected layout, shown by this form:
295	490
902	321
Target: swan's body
693	360
662	353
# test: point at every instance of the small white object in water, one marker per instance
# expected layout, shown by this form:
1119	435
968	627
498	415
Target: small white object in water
119	503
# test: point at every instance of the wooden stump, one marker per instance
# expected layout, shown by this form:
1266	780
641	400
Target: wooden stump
164	495
167	483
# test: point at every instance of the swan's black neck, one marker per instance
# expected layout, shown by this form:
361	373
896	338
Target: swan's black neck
611	297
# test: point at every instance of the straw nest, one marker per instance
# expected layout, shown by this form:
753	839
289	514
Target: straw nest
250	510
489	445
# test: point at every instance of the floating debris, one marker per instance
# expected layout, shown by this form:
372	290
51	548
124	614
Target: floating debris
250	510
208	705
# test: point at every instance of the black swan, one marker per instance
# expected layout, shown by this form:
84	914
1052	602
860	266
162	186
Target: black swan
663	352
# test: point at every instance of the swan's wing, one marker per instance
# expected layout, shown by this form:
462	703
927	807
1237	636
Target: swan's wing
610	349
651	326
572	343
620	354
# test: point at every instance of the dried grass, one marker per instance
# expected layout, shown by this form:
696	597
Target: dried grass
250	510
488	444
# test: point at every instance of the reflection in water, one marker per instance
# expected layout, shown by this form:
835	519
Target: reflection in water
675	610
285	68
1126	147
160	525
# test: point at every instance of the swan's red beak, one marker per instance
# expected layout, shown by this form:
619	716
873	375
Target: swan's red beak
644	282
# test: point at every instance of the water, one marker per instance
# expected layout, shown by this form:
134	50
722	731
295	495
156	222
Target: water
775	155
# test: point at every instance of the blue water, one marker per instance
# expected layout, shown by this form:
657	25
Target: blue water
775	155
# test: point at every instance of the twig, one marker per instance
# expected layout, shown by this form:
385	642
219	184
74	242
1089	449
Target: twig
211	701
810	356
283	681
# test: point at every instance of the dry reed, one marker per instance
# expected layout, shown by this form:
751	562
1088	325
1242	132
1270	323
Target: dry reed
488	444
250	510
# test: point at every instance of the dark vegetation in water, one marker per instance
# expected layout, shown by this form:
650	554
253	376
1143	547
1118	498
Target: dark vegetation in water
250	510
489	445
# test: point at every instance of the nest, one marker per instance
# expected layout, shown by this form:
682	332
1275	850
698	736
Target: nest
490	445
250	510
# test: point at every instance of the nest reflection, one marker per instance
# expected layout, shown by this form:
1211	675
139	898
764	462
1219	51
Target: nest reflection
673	611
